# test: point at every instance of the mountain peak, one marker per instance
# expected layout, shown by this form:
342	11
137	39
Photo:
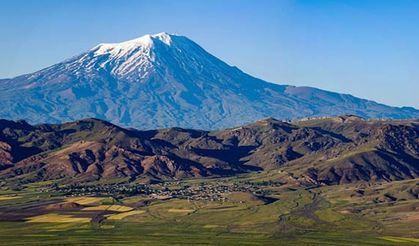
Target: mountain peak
148	55
164	37
166	80
145	40
136	57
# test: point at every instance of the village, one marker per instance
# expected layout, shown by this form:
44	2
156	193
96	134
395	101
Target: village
207	191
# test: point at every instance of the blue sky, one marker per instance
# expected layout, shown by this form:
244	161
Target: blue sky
366	48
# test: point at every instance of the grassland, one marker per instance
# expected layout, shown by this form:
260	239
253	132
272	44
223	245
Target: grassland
330	215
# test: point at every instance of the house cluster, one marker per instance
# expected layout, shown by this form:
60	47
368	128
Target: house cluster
206	191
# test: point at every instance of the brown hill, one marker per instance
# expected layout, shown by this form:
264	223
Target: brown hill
329	151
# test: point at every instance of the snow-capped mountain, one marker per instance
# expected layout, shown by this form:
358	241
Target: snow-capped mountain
167	80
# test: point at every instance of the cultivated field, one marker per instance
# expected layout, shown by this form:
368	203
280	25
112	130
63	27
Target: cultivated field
362	214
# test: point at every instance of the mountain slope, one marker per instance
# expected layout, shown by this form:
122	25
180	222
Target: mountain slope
167	80
326	151
380	150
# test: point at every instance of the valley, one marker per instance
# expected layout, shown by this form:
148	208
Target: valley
352	214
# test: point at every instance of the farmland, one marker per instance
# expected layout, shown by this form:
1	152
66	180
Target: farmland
271	215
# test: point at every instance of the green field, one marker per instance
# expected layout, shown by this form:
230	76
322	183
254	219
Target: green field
329	215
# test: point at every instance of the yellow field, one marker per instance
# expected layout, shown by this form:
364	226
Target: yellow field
114	208
85	200
124	215
57	218
118	208
8	197
179	210
65	226
401	239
